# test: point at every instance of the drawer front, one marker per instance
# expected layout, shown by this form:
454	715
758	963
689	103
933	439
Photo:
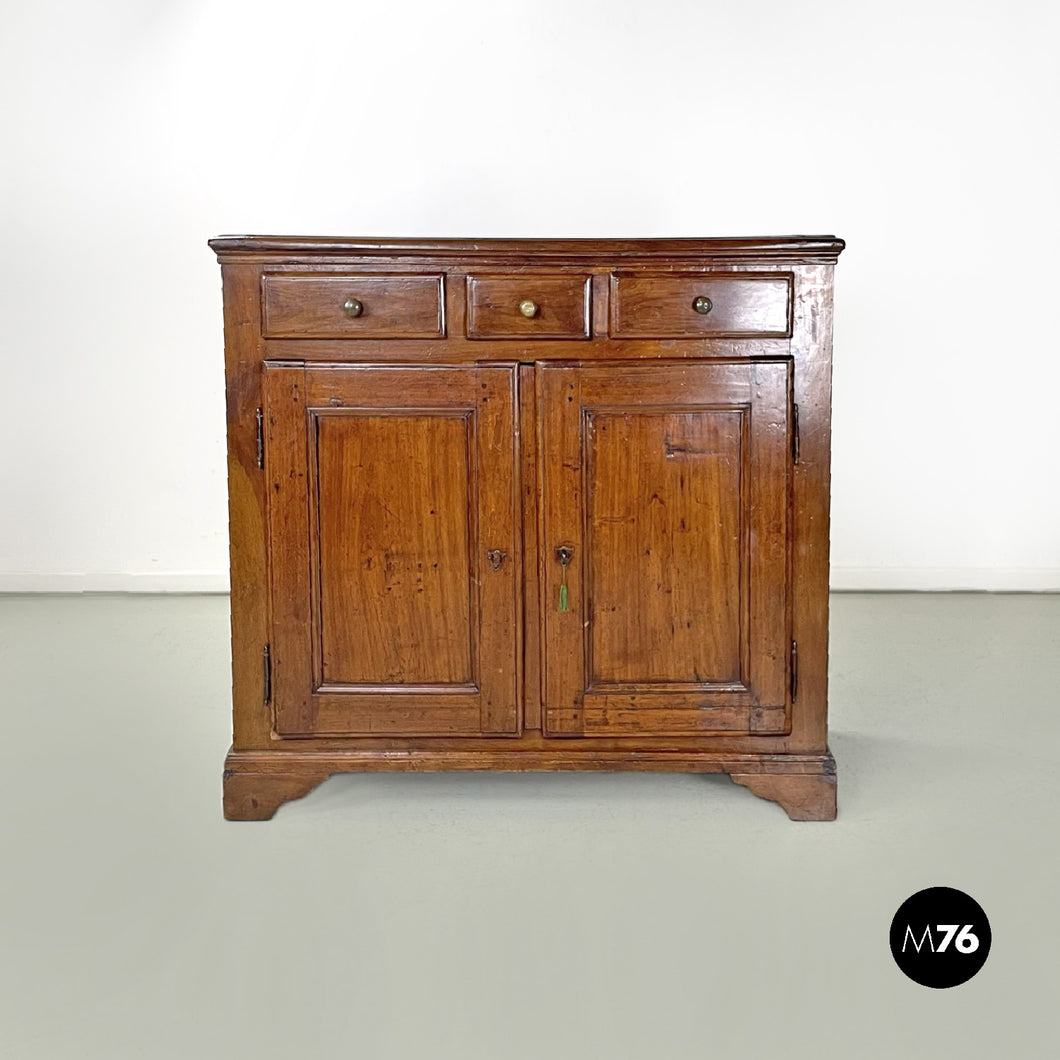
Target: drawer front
679	306
366	307
528	306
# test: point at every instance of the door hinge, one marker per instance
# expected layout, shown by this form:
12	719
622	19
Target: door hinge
266	659
795	434
260	417
794	670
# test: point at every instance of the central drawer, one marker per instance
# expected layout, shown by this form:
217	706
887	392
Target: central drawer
528	306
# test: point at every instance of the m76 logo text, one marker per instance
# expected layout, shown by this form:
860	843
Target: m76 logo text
966	941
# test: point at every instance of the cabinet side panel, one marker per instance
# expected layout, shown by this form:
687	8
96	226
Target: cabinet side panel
246	505
811	346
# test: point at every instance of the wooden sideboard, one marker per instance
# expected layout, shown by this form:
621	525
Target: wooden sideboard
529	505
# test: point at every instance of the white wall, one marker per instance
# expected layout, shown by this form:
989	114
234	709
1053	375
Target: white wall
924	133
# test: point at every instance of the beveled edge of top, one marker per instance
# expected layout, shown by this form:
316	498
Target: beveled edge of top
789	248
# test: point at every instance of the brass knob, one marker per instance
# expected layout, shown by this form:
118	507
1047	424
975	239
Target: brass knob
528	308
702	304
352	307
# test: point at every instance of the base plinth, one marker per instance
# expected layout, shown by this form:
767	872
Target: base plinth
257	783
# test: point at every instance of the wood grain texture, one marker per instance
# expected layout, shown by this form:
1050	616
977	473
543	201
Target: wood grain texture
394	528
458	349
670	714
388	488
257	783
511	756
562	306
811	348
803	798
654	441
393	306
806	248
671	486
531	550
252	719
664	542
644	305
250	796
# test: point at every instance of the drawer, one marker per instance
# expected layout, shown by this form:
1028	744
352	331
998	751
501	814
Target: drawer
352	306
528	306
685	305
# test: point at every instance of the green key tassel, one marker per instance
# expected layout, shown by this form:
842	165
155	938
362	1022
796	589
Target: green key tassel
564	603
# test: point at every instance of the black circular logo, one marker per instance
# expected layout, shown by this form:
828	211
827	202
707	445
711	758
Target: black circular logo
940	937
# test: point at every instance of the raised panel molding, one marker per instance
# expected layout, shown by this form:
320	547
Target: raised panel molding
642	515
391	548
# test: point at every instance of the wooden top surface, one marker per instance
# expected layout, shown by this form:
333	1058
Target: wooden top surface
781	248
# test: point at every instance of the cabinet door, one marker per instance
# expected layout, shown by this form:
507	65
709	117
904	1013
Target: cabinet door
669	485
393	551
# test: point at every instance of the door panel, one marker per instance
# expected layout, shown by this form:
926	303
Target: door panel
670	484
394	537
388	488
665	601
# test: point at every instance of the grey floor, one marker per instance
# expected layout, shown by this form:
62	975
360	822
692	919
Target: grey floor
505	916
